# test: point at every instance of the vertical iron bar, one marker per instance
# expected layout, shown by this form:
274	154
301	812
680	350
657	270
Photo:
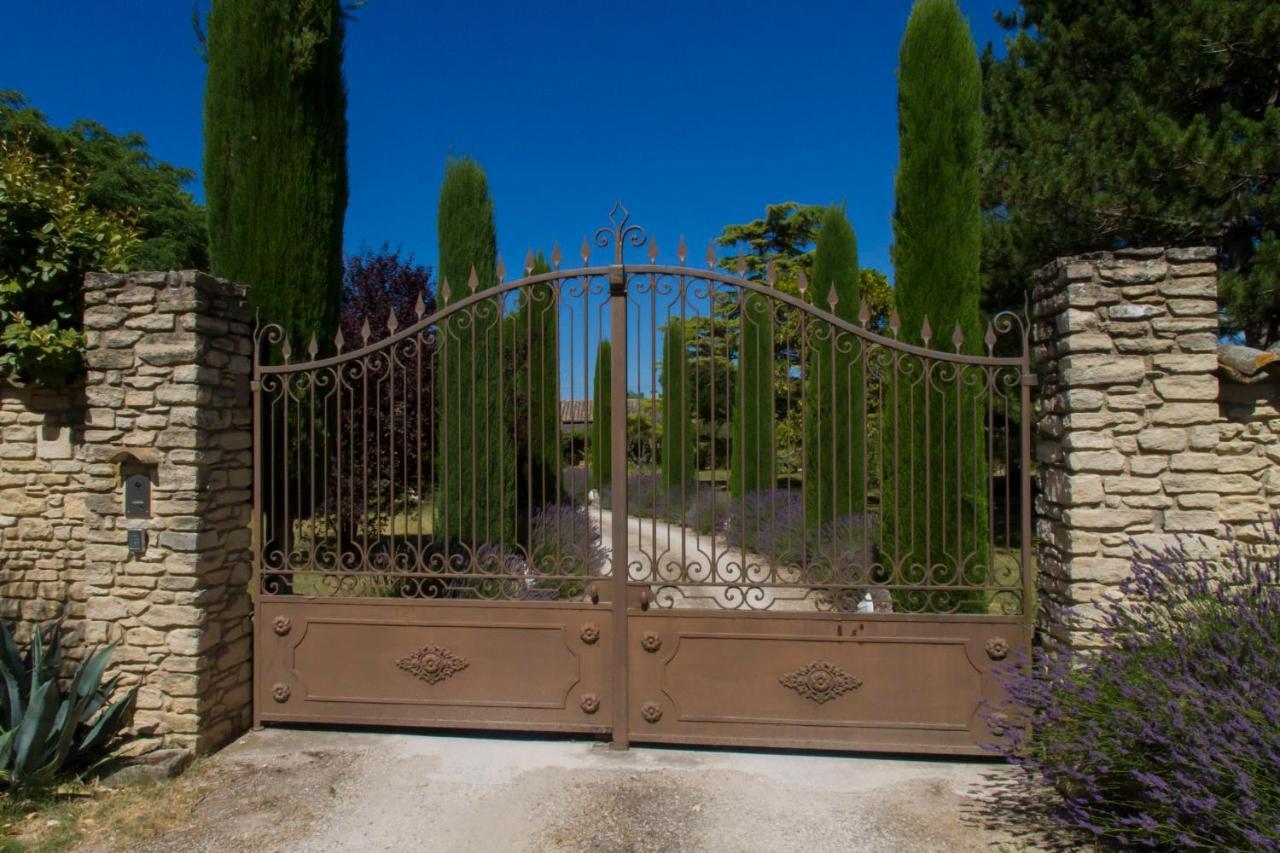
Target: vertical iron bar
1028	583
618	500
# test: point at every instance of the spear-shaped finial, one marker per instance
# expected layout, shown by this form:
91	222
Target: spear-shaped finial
802	283
957	337
864	314
770	273
895	322
286	350
473	280
711	254
652	253
501	270
365	331
528	262
312	347
682	251
556	257
419	307
832	297
585	251
990	339
339	340
393	322
741	264
926	331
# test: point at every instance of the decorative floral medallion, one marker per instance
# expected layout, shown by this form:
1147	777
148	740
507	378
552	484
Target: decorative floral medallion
651	711
281	625
590	633
997	648
280	692
821	681
432	663
590	703
650	641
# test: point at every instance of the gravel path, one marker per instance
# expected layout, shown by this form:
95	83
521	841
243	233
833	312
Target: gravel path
283	789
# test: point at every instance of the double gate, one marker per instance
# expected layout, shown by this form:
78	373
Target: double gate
659	503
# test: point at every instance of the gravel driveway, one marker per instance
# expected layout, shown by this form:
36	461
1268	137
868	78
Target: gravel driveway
290	789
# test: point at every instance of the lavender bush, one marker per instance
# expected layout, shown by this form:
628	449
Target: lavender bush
564	541
1169	737
772	524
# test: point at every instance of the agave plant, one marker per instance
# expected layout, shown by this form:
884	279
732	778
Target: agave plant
44	728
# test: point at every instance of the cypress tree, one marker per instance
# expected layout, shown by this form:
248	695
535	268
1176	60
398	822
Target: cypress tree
938	523
275	158
834	396
601	419
476	502
752	457
538	381
677	416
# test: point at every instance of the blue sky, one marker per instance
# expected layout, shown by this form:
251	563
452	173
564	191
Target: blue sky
695	114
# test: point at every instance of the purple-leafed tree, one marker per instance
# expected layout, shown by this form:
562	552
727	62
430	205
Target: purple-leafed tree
380	451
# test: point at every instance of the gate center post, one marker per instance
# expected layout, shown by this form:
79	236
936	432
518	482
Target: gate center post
618	499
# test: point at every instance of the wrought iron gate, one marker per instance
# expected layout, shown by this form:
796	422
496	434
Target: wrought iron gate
748	520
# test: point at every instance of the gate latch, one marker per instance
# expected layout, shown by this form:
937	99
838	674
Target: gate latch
617	280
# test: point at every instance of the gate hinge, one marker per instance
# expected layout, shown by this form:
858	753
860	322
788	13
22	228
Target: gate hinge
617	280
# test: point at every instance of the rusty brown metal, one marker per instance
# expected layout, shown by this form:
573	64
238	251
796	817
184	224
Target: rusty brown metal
421	587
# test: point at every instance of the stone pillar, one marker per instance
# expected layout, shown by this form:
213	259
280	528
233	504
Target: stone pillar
167	392
1125	348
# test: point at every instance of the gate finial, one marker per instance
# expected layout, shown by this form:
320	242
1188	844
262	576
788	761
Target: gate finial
619	232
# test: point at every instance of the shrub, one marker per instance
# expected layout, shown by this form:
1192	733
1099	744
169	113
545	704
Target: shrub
564	542
50	236
47	729
575	483
1169	737
707	510
770	524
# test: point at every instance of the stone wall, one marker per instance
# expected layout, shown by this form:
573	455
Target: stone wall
42	503
1249	442
166	388
1128	431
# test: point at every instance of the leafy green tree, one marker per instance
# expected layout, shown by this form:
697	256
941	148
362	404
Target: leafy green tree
678	454
275	158
119	174
476	497
1137	123
835	398
601	418
938	519
537	377
50	236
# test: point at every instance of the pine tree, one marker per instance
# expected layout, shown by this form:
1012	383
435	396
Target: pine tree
1137	123
538	382
936	497
475	503
275	159
678	460
601	419
835	396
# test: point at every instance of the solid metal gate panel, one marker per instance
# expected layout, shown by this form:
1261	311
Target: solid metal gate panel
840	560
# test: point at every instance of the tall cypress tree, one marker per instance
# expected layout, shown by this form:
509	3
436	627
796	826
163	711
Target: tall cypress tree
752	458
936	499
538	381
275	158
475	502
677	415
834	396
601	418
